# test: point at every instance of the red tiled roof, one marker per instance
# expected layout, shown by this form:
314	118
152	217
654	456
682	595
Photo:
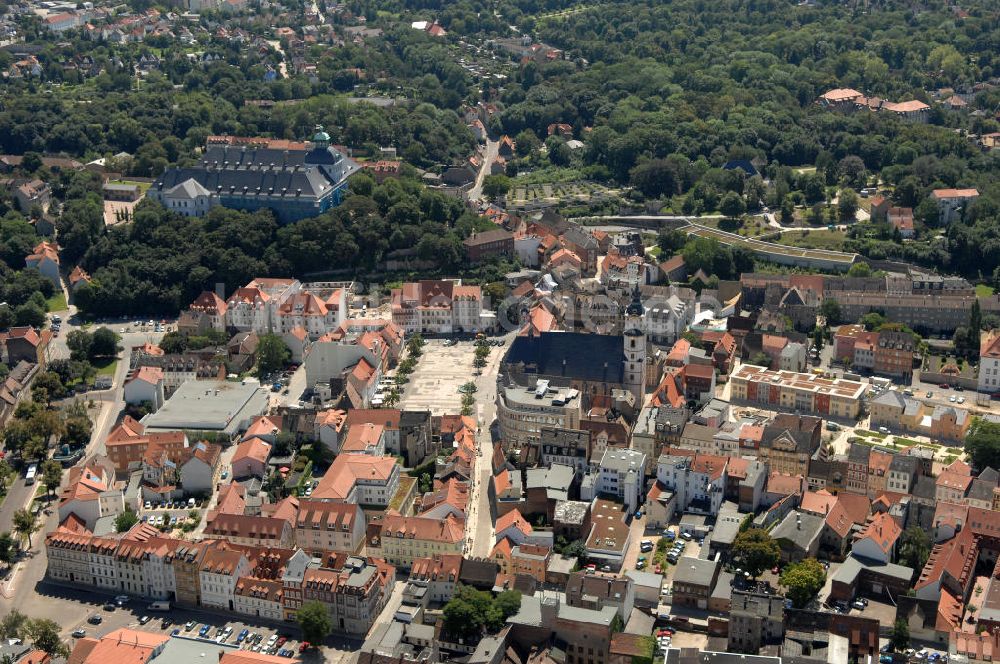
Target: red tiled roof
253	448
449	530
883	531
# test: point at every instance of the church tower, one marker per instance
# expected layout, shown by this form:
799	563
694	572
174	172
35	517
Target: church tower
634	340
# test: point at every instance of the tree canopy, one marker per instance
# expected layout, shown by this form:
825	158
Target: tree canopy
315	622
471	612
982	443
756	551
802	580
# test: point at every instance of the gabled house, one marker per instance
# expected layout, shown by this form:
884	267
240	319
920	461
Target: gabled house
250	458
878	540
200	471
45	258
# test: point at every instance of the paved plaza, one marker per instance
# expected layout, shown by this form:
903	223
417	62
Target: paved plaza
440	371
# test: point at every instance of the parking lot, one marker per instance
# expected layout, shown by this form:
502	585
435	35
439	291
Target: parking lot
439	373
260	636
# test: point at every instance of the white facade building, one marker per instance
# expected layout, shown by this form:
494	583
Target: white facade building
620	474
698	482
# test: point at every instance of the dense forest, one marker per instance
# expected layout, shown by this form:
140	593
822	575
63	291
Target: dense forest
662	96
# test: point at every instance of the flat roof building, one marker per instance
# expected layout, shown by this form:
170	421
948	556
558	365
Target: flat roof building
209	405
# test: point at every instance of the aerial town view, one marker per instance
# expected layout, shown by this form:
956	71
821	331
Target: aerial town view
499	332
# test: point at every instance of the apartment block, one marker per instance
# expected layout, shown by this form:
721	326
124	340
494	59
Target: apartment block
800	392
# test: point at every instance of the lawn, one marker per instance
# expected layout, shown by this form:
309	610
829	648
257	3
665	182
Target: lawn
106	366
982	290
57	302
814	239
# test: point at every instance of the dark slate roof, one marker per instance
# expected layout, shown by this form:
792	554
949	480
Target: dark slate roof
803	439
742	164
309	174
580	238
981	490
573	355
480	574
859	454
905	464
243	158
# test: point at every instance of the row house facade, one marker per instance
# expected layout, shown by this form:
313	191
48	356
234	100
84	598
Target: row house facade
438	307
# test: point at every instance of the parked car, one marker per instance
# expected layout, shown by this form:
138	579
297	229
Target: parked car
79	633
189	625
109	606
144	619
95	619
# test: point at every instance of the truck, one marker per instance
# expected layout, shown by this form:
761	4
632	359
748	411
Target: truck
159	606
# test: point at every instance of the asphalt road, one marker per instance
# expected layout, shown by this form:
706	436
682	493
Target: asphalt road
489	155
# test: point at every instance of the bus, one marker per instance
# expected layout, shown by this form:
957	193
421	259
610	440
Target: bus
29	477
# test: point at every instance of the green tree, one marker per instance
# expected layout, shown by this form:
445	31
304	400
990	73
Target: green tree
787	212
803	580
830	310
670	241
29	313
982	443
732	205
462	619
900	637
873	320
13	625
915	547
79	343
125	520
847	205
52	472
479	362
496	187
8	548
819	339
44	634
860	269
104	343
314	620
25	523
761	359
756	551
272	354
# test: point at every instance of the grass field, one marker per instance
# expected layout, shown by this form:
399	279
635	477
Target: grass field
814	239
106	366
57	302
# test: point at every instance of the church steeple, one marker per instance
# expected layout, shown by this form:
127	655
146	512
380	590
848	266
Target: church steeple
635	308
321	139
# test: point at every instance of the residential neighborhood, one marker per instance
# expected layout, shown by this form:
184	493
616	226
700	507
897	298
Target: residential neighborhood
499	333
